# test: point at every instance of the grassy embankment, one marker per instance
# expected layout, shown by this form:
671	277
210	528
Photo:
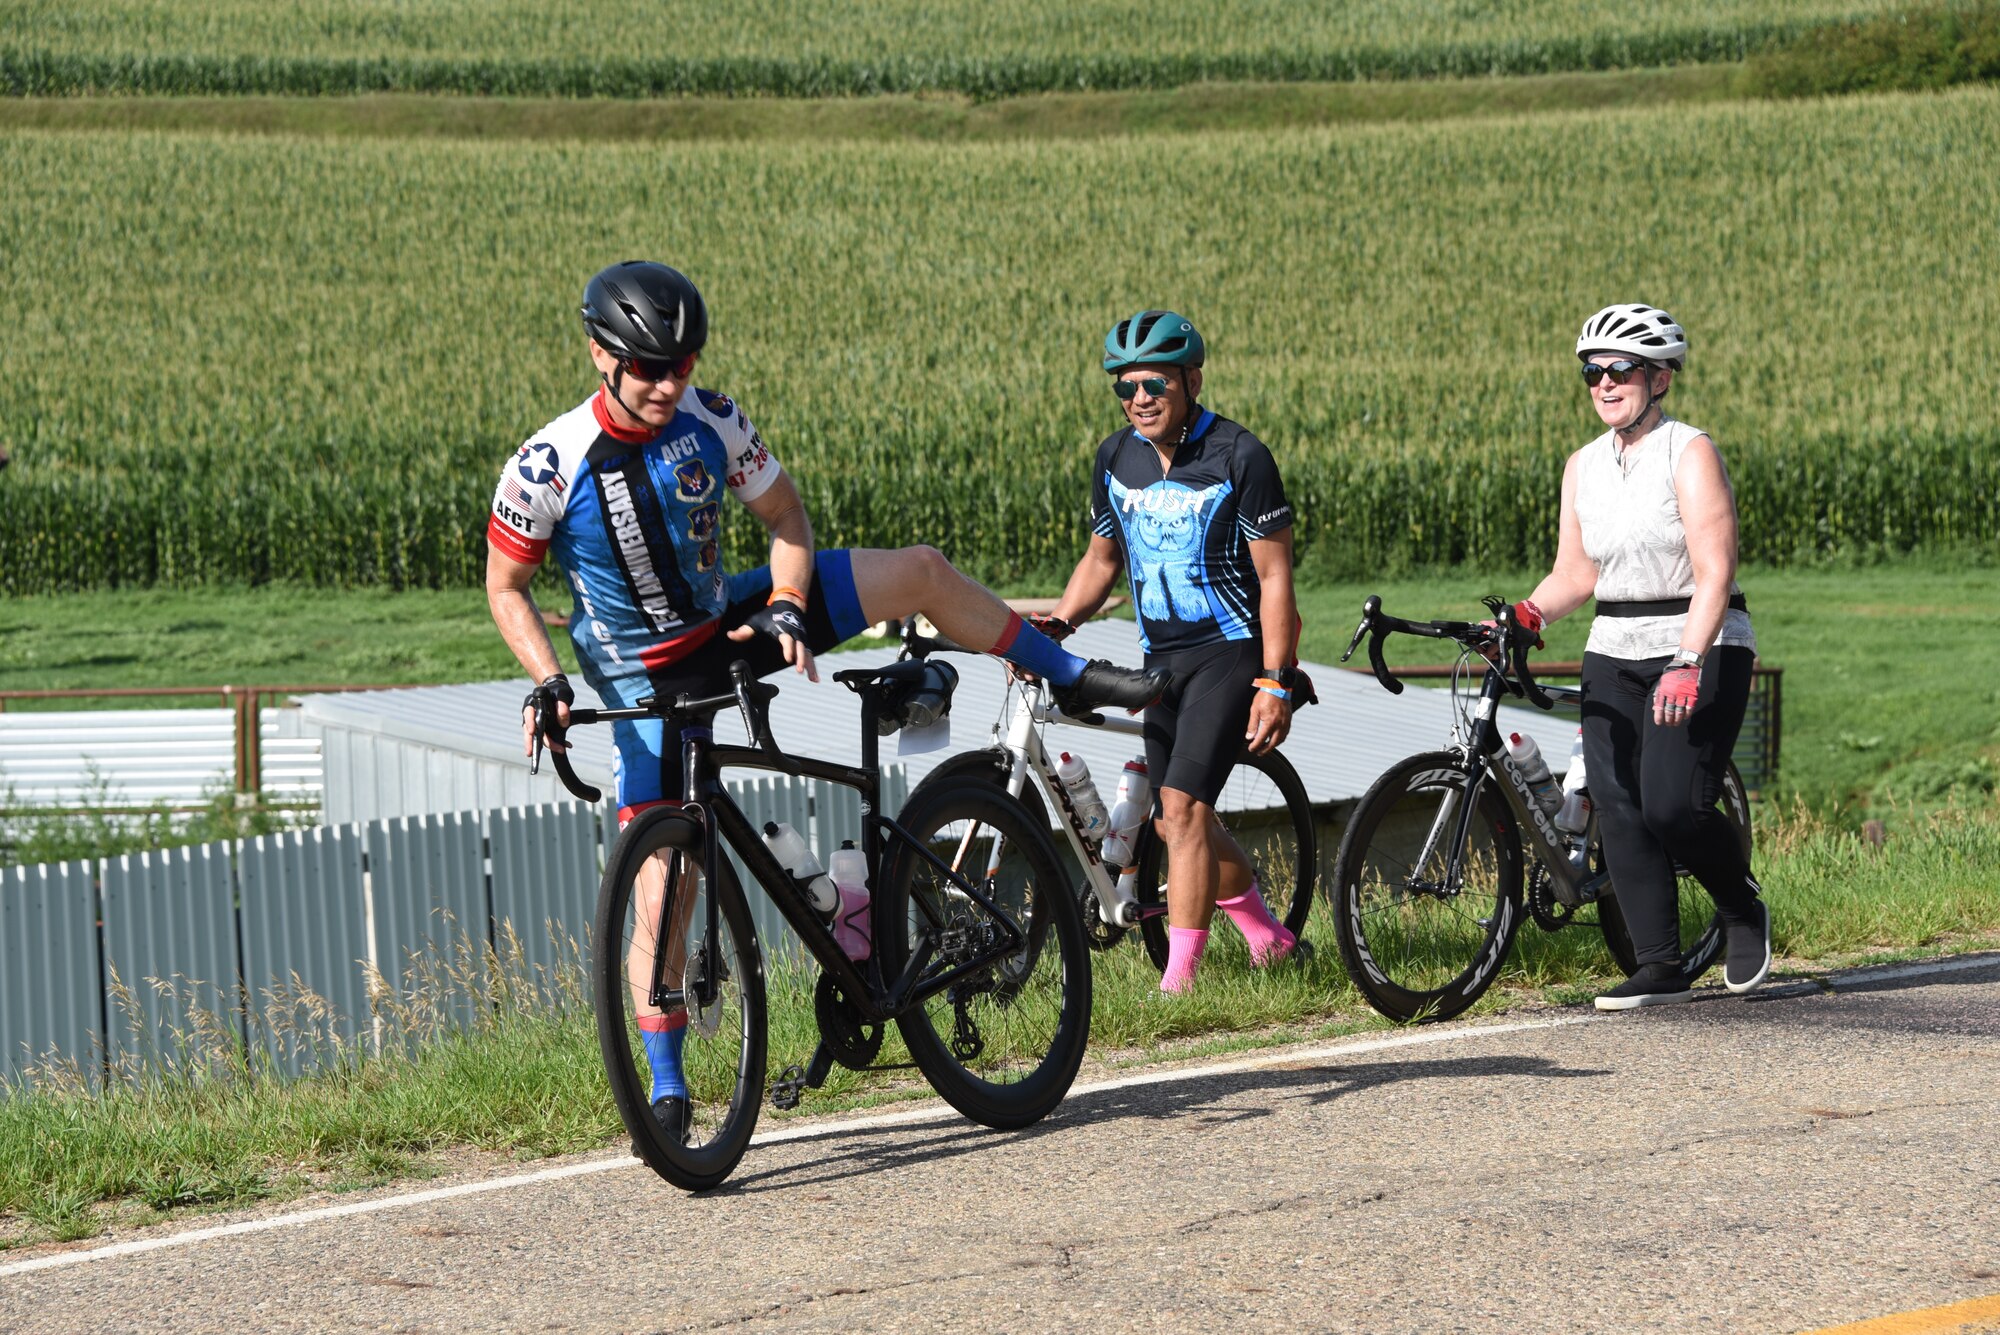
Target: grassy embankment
528	1081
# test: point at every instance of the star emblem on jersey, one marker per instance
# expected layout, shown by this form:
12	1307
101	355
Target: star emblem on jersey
692	478
539	463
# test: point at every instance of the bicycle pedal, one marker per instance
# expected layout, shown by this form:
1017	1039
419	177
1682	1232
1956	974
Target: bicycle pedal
789	1088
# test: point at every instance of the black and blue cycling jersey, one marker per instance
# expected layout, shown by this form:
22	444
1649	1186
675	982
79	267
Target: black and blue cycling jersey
1185	531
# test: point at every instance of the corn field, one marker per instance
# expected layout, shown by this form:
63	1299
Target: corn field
244	359
629	48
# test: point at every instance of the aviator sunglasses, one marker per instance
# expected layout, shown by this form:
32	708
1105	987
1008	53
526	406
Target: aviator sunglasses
1620	372
1128	390
652	372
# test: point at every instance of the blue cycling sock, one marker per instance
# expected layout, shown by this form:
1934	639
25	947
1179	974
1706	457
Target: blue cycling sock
663	1036
1022	644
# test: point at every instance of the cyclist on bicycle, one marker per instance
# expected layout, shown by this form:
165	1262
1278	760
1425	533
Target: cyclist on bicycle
1648	528
1190	506
627	489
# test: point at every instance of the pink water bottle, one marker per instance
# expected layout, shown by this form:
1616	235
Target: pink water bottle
853	929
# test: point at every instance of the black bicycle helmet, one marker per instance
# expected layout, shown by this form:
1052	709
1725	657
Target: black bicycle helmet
640	309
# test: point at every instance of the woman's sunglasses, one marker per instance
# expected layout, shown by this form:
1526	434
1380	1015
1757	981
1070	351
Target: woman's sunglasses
1620	372
1128	390
652	372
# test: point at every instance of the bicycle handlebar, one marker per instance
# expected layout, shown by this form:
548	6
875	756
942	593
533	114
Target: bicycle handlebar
1378	625
748	694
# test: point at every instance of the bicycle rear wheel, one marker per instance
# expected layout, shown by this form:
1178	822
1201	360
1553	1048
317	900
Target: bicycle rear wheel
1701	927
1264	808
1418	947
654	877
1002	1042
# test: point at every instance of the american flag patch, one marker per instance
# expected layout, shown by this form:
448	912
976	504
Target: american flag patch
517	494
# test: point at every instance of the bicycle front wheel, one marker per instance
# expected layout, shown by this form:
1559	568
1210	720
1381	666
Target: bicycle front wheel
1265	810
1002	1040
1420	942
1701	928
654	929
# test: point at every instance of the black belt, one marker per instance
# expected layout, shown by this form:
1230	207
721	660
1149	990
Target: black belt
1665	607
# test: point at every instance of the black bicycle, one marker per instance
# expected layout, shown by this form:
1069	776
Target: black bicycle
1427	889
985	972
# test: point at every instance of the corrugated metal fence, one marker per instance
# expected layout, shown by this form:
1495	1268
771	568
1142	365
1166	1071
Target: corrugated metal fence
241	941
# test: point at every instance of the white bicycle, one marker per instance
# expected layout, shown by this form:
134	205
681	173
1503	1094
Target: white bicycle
1263	808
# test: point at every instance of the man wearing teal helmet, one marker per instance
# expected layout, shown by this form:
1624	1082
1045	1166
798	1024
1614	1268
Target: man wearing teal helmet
1191	507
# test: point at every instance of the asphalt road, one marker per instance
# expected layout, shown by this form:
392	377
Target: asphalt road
1783	1163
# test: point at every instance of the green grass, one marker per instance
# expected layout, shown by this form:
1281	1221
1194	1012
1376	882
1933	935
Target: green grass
626	48
912	327
1884	701
527	1081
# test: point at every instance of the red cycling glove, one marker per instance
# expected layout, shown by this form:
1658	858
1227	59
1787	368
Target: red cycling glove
1529	617
1677	694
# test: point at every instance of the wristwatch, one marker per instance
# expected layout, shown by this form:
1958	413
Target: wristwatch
1286	677
1687	658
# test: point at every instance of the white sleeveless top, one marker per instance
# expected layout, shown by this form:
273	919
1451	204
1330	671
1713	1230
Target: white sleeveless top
1632	529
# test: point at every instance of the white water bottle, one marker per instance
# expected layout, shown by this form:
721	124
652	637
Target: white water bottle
802	864
1534	771
1574	817
1093	821
1136	787
853	929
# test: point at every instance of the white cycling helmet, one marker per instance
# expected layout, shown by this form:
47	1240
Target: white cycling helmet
1645	332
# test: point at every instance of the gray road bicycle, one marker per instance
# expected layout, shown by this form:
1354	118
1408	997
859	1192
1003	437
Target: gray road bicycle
1448	847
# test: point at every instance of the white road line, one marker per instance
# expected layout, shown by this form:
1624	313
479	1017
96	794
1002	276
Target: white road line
929	1112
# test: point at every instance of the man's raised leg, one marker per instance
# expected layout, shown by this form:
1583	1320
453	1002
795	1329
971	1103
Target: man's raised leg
911	580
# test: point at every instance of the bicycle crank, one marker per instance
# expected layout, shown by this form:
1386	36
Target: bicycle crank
852	1041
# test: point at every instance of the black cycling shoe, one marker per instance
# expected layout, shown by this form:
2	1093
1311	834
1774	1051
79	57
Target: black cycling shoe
1749	946
1653	985
671	1115
1105	683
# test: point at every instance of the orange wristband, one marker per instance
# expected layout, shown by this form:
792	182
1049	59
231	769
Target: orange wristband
784	591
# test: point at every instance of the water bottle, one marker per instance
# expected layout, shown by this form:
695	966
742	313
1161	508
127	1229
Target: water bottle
1136	787
928	700
802	864
1534	771
1574	818
1093	821
853	929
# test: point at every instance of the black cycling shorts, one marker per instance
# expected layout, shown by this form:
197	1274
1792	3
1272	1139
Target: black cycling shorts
1194	736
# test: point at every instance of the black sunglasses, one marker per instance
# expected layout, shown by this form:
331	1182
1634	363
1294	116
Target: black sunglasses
652	372
1620	372
1128	390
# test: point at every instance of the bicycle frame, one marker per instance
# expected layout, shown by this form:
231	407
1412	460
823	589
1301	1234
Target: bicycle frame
1485	755
708	802
1023	741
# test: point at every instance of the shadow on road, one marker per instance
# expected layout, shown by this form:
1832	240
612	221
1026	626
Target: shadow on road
1207	1101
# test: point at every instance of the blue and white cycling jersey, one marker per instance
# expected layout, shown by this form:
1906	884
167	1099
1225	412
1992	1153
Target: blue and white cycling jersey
635	518
1185	532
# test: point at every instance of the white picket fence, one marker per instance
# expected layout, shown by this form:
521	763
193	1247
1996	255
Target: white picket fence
235	926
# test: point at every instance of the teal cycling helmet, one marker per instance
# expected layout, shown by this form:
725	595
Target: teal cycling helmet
1153	338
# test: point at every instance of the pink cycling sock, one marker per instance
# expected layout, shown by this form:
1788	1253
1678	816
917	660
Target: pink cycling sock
1269	941
1184	947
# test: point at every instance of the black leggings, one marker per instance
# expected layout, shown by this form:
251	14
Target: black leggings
1655	790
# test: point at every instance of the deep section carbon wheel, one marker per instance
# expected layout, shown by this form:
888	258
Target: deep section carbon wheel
662	965
1420	941
1002	1027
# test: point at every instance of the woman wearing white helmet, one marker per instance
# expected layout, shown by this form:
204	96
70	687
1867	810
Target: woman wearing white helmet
1649	530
